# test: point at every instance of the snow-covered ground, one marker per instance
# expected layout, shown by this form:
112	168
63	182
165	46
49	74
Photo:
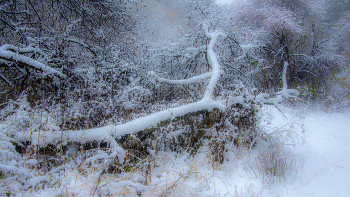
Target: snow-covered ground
318	141
315	143
324	153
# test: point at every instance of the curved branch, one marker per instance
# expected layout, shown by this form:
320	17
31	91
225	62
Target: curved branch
154	119
84	45
213	62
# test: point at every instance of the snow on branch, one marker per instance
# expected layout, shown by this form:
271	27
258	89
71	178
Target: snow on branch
171	113
286	93
9	47
281	21
207	103
281	95
284	76
182	81
7	55
213	63
105	133
110	132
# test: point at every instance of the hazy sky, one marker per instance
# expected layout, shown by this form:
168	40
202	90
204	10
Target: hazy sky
223	1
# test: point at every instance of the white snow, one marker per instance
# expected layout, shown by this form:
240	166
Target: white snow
321	149
32	182
223	2
31	162
28	49
213	63
316	141
285	93
13	169
284	76
182	81
153	119
104	133
319	143
137	186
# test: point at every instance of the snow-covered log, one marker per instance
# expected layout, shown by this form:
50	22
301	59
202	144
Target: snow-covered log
207	103
110	132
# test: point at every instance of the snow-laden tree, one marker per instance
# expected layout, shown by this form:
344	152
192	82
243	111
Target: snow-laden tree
274	32
76	55
61	34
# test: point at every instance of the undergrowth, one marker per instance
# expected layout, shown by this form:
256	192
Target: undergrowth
29	165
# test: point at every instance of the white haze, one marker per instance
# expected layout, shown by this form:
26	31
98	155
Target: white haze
223	2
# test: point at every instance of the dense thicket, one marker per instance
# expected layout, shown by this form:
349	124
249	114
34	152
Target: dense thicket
89	42
68	65
107	48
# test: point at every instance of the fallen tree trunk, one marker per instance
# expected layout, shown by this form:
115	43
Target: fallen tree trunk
145	124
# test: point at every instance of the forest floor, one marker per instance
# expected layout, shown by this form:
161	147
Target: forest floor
315	146
323	153
318	145
311	156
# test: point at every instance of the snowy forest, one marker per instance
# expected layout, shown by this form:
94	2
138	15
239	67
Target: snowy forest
168	97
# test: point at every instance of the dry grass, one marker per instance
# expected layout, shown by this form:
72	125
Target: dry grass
274	162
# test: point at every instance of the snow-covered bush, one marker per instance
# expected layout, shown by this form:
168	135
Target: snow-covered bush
18	171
